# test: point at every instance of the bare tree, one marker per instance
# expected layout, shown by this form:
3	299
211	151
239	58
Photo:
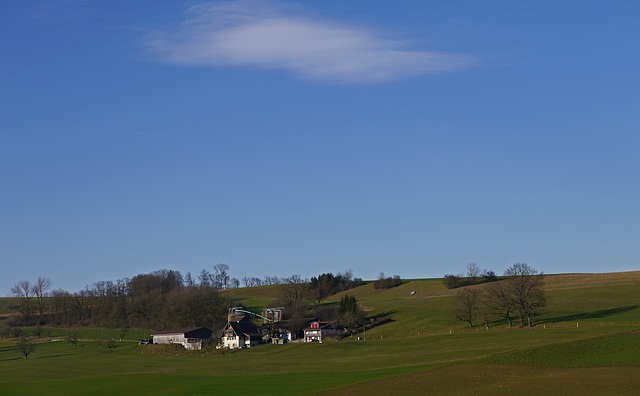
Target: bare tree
484	311
188	280
16	332
110	345
466	305
204	278
525	285
81	305
473	271
37	331
40	289
347	275
60	306
123	332
146	306
73	337
294	290
221	276
25	346
23	291
500	301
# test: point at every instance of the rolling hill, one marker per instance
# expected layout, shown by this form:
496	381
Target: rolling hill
587	342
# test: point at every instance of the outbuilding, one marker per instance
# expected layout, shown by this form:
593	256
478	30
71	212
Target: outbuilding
190	338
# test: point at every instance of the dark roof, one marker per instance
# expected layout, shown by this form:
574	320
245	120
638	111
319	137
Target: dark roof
321	326
284	324
244	326
189	332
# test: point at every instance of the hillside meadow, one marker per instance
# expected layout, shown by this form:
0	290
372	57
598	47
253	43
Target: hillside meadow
588	342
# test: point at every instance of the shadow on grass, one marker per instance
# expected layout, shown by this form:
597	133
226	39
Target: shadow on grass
603	313
56	356
383	314
13	358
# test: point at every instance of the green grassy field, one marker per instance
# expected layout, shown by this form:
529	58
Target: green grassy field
587	343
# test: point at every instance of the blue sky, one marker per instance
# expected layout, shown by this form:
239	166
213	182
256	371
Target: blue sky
281	138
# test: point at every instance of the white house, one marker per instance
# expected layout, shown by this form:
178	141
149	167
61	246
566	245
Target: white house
318	330
240	332
190	338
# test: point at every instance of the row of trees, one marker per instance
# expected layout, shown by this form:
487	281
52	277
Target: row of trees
159	299
152	299
328	284
519	295
387	282
473	276
265	281
31	303
166	298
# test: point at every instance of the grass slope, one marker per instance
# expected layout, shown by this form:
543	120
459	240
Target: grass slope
484	379
587	343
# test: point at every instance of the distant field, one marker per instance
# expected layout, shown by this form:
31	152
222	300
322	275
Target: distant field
577	281
587	343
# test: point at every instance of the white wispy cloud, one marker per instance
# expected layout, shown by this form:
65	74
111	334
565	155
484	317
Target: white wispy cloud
271	35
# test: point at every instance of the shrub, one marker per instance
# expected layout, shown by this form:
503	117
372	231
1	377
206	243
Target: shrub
387	283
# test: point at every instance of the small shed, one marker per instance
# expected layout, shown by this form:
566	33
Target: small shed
190	337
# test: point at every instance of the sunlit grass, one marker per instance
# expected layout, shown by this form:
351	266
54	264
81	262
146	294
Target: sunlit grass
592	326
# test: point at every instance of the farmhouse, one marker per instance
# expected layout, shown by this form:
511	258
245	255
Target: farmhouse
190	338
318	330
240	332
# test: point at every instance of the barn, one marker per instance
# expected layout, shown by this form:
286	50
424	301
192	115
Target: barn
190	338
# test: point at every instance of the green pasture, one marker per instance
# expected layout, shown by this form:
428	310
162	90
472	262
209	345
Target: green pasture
617	350
253	298
587	342
424	288
86	334
485	379
273	369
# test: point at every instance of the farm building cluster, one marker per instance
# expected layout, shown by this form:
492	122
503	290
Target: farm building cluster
241	332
